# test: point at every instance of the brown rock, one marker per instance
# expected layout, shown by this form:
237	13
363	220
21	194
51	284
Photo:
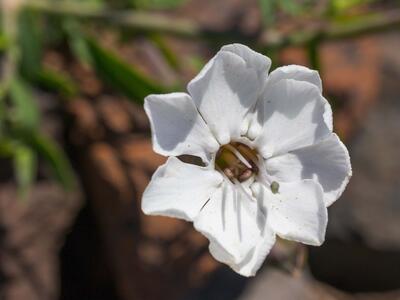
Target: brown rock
276	284
86	79
163	228
30	236
206	264
86	124
138	151
139	179
151	254
114	115
108	167
138	116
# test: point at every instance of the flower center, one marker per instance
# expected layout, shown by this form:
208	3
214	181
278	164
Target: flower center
237	161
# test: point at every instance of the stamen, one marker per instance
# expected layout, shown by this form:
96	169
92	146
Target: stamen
238	155
225	176
228	172
245	175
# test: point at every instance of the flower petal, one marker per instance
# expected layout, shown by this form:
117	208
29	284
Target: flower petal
255	60
177	127
254	260
236	228
297	73
179	190
302	74
224	91
327	163
297	211
292	117
260	63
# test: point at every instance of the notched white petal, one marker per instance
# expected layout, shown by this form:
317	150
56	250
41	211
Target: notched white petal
327	163
292	117
224	91
257	61
253	59
296	72
179	190
297	212
302	73
177	127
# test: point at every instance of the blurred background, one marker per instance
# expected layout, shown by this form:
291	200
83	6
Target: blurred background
75	153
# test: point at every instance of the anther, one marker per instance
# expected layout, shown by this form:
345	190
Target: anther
245	175
229	173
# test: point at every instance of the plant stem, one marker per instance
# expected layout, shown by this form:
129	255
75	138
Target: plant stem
141	21
334	30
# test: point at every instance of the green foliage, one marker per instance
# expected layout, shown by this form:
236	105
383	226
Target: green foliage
26	141
57	82
20	137
30	43
343	5
3	42
24	110
168	54
120	75
24	146
31	48
54	156
157	4
292	7
268	10
25	167
76	41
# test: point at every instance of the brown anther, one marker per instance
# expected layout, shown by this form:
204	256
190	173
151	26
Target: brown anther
245	175
229	173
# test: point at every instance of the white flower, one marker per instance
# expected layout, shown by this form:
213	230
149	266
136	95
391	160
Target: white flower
272	163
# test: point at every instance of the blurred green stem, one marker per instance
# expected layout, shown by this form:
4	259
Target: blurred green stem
152	22
142	21
10	28
313	54
334	30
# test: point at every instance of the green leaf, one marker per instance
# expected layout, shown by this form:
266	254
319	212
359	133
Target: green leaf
168	54
291	6
25	111
30	42
157	4
3	42
25	167
58	82
56	157
120	75
76	41
268	10
343	5
7	147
